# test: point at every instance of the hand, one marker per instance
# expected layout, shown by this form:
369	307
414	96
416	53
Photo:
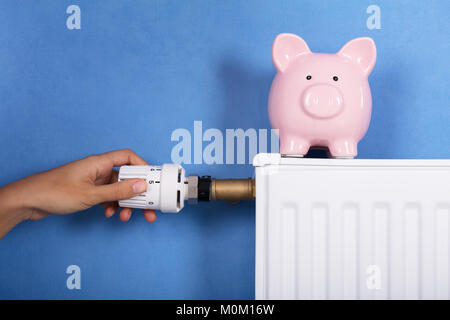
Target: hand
73	187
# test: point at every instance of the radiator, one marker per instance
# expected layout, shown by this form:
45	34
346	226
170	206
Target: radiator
352	229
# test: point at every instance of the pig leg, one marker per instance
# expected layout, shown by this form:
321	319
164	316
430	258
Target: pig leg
293	146
345	148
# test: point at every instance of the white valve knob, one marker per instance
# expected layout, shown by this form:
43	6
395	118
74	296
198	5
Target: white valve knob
166	187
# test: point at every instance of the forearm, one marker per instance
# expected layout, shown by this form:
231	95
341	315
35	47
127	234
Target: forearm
13	206
72	187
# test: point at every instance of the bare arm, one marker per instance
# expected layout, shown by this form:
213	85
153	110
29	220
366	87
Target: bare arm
72	187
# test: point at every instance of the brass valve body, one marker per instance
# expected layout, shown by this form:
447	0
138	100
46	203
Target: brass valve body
233	190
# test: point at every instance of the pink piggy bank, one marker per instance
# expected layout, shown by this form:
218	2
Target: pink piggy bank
321	99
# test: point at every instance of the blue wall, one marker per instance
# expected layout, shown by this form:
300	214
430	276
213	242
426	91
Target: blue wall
136	71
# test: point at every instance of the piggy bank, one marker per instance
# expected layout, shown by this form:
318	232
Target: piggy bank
321	99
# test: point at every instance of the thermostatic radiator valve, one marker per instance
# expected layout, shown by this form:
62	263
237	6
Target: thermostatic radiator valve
168	188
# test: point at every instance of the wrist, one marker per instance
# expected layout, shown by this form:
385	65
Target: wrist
12	210
14	203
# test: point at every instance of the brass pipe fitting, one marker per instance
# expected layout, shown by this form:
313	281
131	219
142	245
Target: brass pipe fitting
233	190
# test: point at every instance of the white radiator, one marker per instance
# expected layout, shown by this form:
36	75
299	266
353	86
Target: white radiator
352	229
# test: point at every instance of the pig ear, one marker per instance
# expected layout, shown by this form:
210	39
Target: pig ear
362	51
286	48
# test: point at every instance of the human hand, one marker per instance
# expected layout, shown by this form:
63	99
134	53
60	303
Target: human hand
80	185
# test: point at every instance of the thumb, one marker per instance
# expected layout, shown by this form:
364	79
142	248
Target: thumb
120	190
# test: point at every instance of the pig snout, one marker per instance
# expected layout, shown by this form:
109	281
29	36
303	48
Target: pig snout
322	101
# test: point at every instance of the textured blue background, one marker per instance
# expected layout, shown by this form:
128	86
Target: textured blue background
136	71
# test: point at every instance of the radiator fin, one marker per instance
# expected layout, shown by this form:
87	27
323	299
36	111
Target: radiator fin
442	252
352	229
359	251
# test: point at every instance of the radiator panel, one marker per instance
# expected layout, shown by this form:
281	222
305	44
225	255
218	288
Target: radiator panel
352	229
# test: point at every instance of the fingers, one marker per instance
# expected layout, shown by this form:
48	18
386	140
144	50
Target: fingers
149	215
124	157
104	163
125	213
119	190
110	208
111	193
109	212
114	176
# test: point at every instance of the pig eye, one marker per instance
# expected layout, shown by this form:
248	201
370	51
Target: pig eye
308	77
335	78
